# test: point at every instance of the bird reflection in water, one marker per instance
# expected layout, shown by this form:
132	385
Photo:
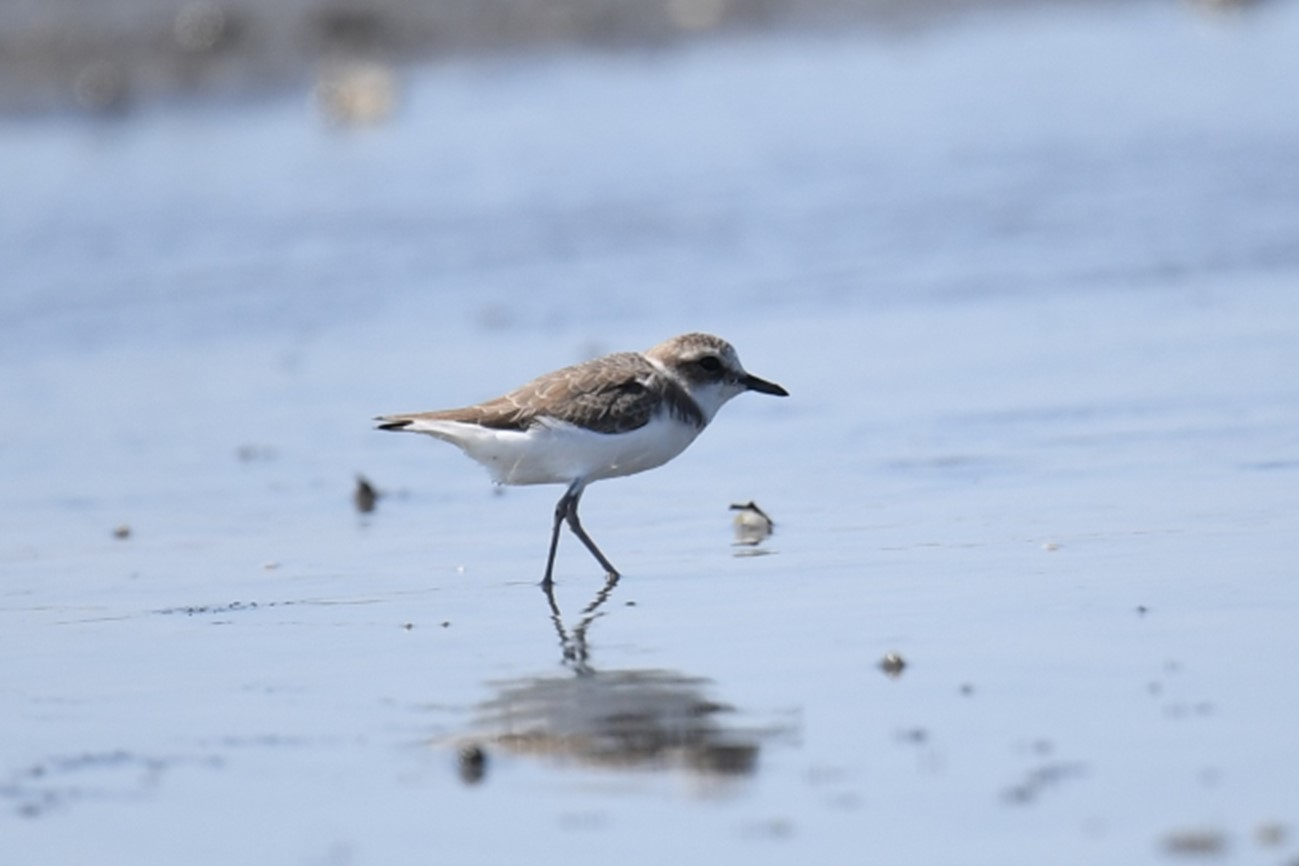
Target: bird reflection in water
611	719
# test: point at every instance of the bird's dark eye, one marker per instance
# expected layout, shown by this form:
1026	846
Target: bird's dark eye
710	364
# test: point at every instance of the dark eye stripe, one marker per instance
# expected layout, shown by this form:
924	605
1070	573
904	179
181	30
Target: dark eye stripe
710	363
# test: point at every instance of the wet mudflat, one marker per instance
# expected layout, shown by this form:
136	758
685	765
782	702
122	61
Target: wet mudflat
1031	589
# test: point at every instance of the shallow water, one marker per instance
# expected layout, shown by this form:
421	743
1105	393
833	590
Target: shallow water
1030	283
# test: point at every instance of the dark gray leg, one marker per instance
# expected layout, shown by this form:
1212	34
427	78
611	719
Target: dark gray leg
575	524
561	511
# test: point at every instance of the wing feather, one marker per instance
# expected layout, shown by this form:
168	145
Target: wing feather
614	394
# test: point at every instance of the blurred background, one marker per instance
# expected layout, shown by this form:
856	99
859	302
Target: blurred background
300	162
106	56
1028	270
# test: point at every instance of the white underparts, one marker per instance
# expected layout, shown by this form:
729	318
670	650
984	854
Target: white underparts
557	452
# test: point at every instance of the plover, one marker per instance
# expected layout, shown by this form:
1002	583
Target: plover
612	416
